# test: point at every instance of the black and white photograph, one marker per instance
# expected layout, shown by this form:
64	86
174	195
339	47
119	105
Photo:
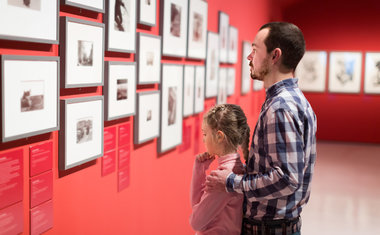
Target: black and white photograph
29	20
147	12
85	53
199	89
29	95
345	72
231	78
121	20
171	88
233	37
222	86
28	4
188	90
148	58
245	70
32	95
372	73
311	71
92	5
172	105
82	52
212	64
174	27
122	11
146	124
119	89
223	30
81	131
175	20
197	35
122	89
84	130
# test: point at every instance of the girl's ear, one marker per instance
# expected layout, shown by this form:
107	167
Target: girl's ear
219	136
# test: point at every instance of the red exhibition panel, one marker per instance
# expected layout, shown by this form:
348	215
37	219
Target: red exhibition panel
11	219
41	218
11	177
41	158
108	163
41	188
109	138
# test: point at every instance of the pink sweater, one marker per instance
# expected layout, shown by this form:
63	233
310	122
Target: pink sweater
216	213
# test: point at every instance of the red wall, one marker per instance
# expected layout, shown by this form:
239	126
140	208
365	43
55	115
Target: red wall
341	25
157	198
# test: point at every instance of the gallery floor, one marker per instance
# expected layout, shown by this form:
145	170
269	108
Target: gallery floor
345	197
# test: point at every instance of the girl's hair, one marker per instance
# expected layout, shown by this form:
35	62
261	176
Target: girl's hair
231	120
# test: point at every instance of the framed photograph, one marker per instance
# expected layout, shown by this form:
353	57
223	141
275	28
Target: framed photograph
345	72
372	73
188	90
233	38
30	21
212	64
93	5
147	12
82	53
257	85
199	89
171	107
245	70
222	86
121	26
311	71
231	77
147	121
29	96
197	34
224	21
81	134
174	27
120	90
148	58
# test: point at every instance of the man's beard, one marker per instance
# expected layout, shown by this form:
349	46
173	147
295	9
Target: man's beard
259	75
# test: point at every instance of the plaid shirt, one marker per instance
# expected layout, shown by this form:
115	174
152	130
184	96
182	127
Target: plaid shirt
282	156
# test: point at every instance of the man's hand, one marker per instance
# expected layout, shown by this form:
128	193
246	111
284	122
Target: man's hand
216	181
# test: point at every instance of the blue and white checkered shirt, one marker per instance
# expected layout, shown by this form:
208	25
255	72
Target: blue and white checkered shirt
282	156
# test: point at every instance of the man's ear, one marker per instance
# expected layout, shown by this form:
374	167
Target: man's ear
276	55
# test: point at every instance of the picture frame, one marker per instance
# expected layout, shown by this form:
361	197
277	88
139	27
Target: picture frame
121	23
81	134
82	53
245	70
222	86
233	37
197	30
34	15
29	95
212	65
345	72
174	27
372	73
147	119
148	58
223	29
120	90
199	89
188	90
92	5
147	12
311	71
257	85
231	78
171	87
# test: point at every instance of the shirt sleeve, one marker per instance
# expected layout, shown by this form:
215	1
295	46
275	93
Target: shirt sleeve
283	148
205	206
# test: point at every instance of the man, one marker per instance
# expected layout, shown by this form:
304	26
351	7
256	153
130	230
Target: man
280	165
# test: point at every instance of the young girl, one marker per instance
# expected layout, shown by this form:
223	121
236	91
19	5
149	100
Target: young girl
224	129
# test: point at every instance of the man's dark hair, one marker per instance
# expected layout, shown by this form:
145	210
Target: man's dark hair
289	38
